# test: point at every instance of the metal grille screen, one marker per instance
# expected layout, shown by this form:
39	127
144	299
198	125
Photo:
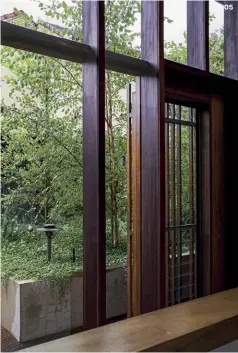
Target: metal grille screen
181	201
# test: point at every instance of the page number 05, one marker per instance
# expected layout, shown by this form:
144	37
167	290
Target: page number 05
228	7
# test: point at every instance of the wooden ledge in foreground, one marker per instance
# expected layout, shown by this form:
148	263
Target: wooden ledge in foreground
199	325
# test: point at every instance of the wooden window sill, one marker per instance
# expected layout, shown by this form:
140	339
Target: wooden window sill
199	325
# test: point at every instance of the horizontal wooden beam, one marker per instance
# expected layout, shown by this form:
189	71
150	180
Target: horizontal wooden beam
199	325
65	49
127	65
186	97
178	77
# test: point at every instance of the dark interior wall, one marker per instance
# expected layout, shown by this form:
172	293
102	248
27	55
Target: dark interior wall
231	191
231	146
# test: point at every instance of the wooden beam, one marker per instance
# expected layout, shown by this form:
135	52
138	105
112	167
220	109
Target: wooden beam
199	325
217	212
129	202
231	40
128	65
198	34
136	169
94	265
172	234
152	160
204	203
167	203
179	199
45	44
177	76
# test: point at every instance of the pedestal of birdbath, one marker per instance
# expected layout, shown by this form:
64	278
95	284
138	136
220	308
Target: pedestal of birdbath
48	229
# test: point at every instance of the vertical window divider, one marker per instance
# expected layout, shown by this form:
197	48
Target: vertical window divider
94	261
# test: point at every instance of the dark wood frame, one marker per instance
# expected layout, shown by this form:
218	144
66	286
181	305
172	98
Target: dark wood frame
175	83
136	189
231	40
203	192
198	34
217	193
211	214
129	203
231	190
94	266
186	90
152	160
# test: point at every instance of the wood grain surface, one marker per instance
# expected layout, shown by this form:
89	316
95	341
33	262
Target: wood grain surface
197	325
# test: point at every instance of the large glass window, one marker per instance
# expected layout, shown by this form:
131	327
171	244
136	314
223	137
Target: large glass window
42	195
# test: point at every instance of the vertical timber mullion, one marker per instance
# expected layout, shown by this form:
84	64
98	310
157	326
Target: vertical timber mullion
231	166
190	202
217	194
179	204
173	222
167	213
231	40
153	160
204	203
136	192
195	258
198	34
94	265
129	204
198	57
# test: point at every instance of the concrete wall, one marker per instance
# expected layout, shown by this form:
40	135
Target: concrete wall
36	309
10	307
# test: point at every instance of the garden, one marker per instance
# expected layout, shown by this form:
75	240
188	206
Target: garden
41	144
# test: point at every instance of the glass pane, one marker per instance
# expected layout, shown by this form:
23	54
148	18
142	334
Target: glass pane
116	128
175	28
41	184
59	18
123	28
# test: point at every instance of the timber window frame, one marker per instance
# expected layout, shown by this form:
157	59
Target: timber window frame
167	81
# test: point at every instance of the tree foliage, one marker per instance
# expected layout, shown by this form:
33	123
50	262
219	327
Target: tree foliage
178	51
42	134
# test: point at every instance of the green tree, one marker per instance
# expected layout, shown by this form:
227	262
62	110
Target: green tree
46	122
178	51
42	126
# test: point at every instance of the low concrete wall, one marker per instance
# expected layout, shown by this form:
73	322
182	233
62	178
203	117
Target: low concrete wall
36	309
10	307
